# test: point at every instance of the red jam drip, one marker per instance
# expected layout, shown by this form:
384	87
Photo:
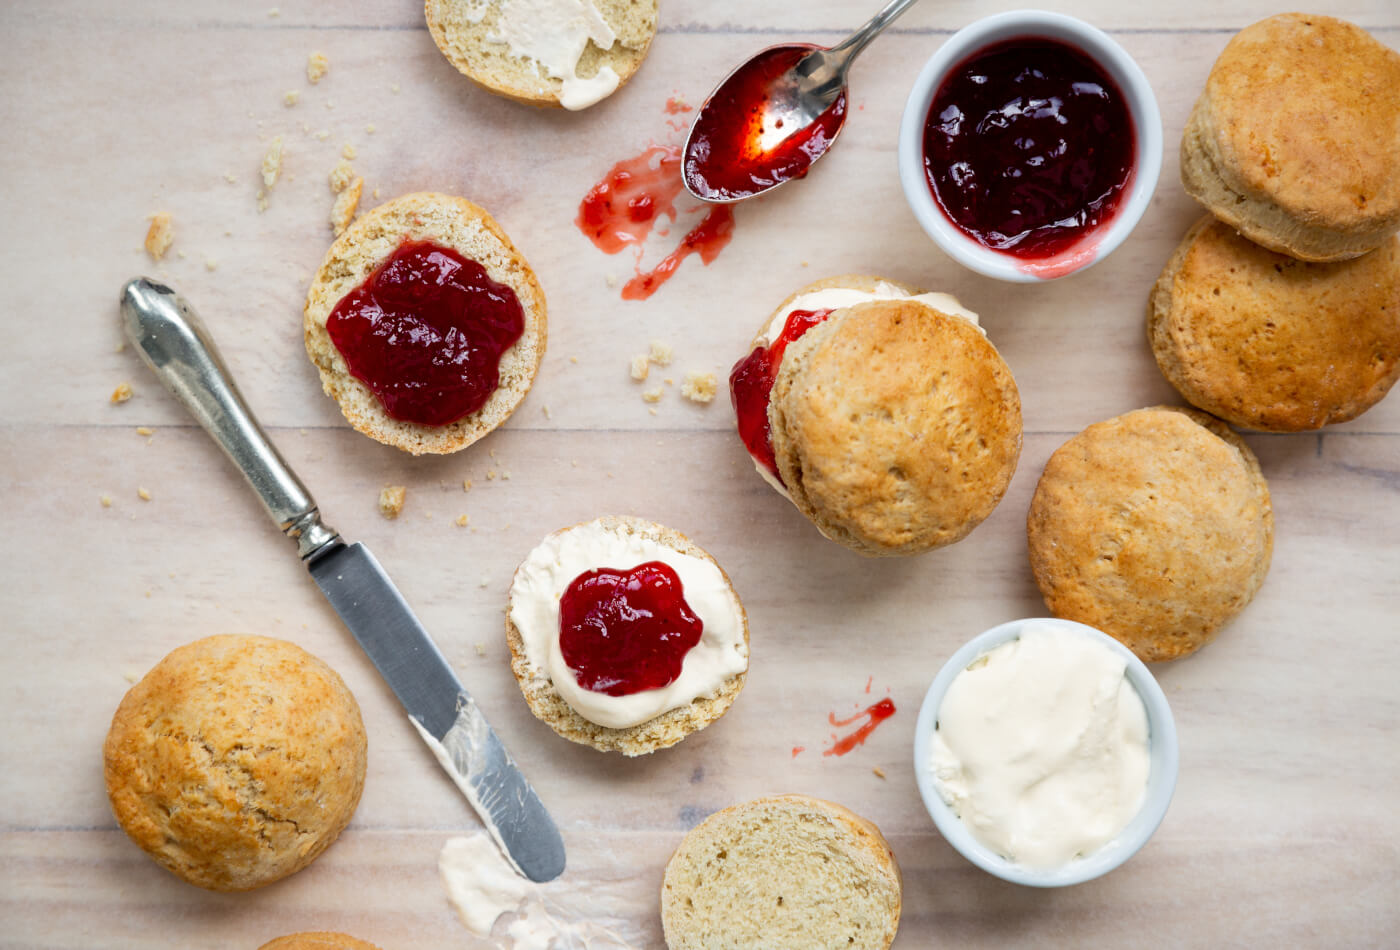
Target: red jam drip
726	157
622	210
751	384
425	332
1028	147
622	632
874	715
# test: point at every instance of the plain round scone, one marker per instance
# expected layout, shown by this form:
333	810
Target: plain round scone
449	222
1269	342
1295	141
491	66
783	873
235	761
1155	527
896	427
660	732
318	940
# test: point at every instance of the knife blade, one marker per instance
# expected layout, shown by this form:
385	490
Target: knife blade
173	342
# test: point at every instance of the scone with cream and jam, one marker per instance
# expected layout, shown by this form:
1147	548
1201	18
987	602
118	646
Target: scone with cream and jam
881	412
625	635
569	53
426	324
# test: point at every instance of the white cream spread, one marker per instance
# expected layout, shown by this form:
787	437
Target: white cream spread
835	298
549	569
480	883
1041	747
554	33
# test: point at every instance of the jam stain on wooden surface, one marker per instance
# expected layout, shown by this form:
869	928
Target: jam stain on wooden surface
873	716
623	209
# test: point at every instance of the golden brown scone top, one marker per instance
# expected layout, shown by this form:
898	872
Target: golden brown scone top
1307	109
1269	342
1155	527
235	761
896	427
319	940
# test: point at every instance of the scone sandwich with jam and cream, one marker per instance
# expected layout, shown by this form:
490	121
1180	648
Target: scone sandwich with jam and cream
882	412
569	53
426	324
625	635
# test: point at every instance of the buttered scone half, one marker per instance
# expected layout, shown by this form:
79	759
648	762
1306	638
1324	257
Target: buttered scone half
1269	342
569	53
788	872
625	635
883	413
236	761
1155	527
1295	141
425	323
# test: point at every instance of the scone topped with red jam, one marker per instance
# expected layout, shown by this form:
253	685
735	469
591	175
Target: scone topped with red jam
426	324
625	635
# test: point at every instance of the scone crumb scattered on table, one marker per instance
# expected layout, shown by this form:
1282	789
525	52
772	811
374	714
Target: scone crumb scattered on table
159	235
391	498
121	394
317	65
700	387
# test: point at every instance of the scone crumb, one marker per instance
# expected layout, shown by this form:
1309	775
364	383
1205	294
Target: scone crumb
661	353
159	235
466	484
348	151
669	380
376	194
640	367
272	163
341	176
122	393
545	410
491	475
343	211
462	521
231	178
485	582
290	98
143	494
106	500
131	675
879	772
505	476
317	65
653	395
573	359
369	128
610	280
211	264
391	500
262	201
323	134
274	13
394	88
144	430
700	387
480	649
652	410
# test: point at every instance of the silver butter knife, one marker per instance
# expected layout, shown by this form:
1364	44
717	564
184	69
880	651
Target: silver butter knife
174	344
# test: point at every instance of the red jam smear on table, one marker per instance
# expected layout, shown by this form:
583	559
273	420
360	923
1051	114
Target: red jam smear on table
726	158
874	715
621	210
425	332
622	632
1029	147
751	384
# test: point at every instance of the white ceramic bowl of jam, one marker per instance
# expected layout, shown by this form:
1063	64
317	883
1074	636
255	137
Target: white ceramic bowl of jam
1030	145
1161	761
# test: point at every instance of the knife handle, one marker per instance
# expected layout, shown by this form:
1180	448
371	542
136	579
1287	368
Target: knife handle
173	342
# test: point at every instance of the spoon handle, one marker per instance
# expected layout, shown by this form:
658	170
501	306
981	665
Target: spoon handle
847	50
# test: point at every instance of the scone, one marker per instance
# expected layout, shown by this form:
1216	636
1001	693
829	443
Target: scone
1296	139
892	423
425	323
320	940
570	53
1268	342
236	761
1154	527
625	635
782	873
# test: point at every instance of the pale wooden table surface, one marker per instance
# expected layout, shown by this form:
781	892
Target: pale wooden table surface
1284	830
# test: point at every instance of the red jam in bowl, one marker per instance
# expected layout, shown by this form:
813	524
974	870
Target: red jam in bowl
751	384
622	632
425	332
1029	147
731	155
